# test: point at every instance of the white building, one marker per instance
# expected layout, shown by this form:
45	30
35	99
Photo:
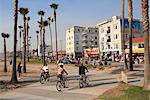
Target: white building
79	38
110	34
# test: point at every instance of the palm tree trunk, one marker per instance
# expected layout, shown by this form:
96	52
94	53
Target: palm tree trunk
20	47
27	39
41	36
5	67
14	73
51	39
44	45
145	21
56	35
123	38
24	55
130	31
37	44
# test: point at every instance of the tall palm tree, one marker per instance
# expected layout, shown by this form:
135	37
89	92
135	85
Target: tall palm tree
130	32
4	35
45	23
27	39
145	21
37	35
55	7
24	12
41	13
20	27
49	24
123	37
14	74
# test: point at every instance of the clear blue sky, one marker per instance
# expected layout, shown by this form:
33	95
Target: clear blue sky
69	14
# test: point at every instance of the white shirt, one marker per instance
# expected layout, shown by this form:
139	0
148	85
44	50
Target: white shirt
45	69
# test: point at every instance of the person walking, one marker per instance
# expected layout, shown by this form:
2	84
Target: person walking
19	67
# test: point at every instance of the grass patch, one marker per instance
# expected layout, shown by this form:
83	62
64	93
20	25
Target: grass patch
126	92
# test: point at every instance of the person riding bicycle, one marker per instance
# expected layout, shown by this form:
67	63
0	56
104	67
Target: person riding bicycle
61	72
82	69
45	70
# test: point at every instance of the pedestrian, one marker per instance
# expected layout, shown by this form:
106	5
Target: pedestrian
10	62
19	67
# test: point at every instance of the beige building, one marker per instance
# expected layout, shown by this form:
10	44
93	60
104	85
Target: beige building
79	38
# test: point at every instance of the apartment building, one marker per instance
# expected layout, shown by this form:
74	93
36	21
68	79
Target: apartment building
79	38
110	34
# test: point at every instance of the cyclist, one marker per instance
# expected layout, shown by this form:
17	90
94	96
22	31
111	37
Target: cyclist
61	72
82	69
45	71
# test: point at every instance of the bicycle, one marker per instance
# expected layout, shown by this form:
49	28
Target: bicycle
44	77
83	81
61	83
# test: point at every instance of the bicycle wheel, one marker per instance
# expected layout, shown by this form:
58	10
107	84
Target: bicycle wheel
66	83
58	86
87	81
42	79
81	85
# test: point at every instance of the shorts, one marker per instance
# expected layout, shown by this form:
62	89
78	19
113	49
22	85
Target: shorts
61	77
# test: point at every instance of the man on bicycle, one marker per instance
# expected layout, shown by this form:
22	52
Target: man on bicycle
61	72
45	70
82	69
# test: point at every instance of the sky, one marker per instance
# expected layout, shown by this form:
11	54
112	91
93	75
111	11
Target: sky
87	13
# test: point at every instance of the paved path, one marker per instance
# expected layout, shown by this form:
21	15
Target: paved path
99	83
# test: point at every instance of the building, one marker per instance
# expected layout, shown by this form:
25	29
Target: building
110	35
138	46
79	38
48	50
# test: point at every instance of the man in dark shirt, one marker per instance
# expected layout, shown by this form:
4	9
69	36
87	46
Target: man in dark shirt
82	69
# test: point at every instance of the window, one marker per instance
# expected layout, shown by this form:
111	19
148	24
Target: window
89	30
116	36
108	46
95	30
78	30
95	43
141	46
108	30
77	42
108	40
116	46
77	48
95	37
115	26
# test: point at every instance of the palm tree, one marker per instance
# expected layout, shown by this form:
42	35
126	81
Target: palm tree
45	23
123	37
37	35
4	35
14	74
145	21
130	31
20	27
41	13
27	39
49	24
55	7
24	11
